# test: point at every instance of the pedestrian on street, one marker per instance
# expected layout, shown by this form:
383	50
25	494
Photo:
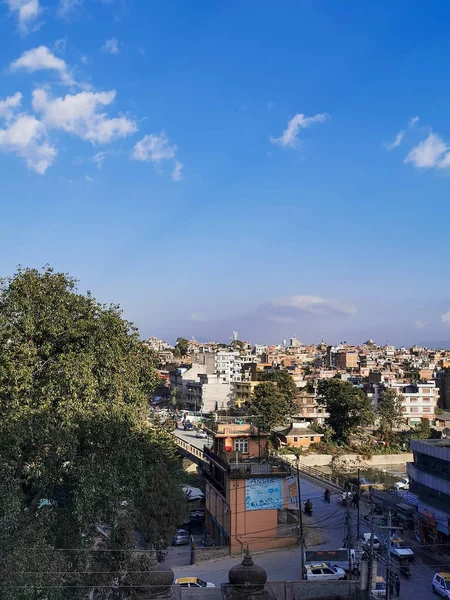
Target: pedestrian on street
355	500
397	585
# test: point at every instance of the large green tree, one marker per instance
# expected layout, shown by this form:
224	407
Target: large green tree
390	411
181	346
285	385
269	405
348	407
76	450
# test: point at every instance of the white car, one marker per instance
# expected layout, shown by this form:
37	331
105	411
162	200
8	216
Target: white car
365	541
441	584
402	485
399	549
322	571
193	582
201	434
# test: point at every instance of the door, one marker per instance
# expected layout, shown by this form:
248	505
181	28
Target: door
329	574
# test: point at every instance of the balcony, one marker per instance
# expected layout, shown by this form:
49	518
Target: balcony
244	469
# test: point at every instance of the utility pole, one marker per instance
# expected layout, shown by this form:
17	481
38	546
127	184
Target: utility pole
300	520
349	539
359	502
388	559
371	547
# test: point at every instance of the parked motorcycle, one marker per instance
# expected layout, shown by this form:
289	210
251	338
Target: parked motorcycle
327	496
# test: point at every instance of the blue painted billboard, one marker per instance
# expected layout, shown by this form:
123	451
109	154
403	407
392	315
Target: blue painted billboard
263	494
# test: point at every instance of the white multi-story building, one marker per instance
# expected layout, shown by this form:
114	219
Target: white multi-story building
389	351
419	399
229	364
225	366
260	349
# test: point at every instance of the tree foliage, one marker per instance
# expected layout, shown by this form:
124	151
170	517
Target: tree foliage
390	412
269	404
422	431
76	449
285	385
181	346
348	407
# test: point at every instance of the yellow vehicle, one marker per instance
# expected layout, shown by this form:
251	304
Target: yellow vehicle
193	582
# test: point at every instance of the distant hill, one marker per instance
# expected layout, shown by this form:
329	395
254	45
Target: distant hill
443	345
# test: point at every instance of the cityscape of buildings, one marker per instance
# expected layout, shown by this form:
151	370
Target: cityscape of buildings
211	376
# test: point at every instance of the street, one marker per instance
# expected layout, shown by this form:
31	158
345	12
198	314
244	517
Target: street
284	565
190	438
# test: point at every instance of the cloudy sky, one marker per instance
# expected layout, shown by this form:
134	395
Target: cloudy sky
275	168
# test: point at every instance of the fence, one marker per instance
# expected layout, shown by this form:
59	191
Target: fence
189	448
338	481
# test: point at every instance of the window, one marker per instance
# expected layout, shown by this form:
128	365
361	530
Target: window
296	439
427	409
312	438
241	445
414	409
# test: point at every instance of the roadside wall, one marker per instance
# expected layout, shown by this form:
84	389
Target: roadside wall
323	460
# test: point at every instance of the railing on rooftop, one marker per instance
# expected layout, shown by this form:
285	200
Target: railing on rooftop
250	467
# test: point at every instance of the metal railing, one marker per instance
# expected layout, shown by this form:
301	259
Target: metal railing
189	448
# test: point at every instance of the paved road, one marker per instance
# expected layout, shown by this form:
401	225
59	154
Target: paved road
282	565
189	437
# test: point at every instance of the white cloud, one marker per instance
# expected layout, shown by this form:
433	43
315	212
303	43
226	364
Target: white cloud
60	45
398	140
413	121
446	318
421	324
314	305
43	59
79	114
289	137
428	153
444	163
27	12
111	46
198	318
9	105
67	8
176	173
89	179
281	319
24	137
99	158
154	148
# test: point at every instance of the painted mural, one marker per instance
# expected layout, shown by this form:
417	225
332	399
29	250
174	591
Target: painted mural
262	493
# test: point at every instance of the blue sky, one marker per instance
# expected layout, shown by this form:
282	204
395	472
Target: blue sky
275	168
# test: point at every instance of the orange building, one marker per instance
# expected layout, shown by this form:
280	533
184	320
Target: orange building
347	359
297	435
246	492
